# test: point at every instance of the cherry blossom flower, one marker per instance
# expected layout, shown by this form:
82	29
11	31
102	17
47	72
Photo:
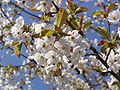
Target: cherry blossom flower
38	27
114	16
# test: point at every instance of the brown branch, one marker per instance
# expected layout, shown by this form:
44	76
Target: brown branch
89	54
108	55
95	51
104	63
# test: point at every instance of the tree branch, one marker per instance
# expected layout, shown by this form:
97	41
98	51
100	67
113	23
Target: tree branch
32	60
95	51
108	55
57	8
22	9
6	16
104	63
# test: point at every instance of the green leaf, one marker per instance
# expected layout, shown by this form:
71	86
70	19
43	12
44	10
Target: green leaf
59	65
97	13
103	32
81	9
50	32
47	32
116	83
87	24
58	72
97	69
51	73
15	43
112	7
18	49
15	68
80	23
104	49
61	17
114	43
72	6
104	73
74	23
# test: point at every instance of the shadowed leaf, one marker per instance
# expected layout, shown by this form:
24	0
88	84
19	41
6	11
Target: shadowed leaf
112	7
87	24
81	9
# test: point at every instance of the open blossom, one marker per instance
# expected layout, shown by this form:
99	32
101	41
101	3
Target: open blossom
19	21
59	56
40	43
6	1
58	45
16	29
114	61
114	16
38	27
39	58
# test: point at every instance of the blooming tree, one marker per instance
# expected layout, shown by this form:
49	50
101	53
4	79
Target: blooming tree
56	35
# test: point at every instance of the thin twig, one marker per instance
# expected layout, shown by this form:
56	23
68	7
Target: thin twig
89	54
57	8
97	54
32	60
104	63
108	26
6	16
108	55
22	9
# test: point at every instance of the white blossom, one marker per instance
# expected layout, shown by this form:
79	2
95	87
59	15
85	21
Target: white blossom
114	16
6	1
38	27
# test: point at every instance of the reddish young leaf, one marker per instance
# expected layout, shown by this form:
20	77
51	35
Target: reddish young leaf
72	6
112	7
103	42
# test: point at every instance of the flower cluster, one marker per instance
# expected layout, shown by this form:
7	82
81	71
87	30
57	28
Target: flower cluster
56	40
114	16
59	57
